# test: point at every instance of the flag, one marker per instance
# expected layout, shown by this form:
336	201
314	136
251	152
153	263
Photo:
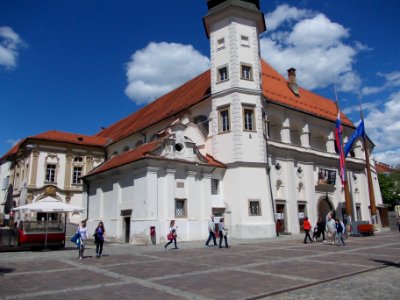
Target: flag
359	131
339	145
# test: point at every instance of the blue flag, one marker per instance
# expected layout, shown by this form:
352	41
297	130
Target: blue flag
359	131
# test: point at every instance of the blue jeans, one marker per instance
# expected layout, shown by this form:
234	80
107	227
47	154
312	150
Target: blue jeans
212	235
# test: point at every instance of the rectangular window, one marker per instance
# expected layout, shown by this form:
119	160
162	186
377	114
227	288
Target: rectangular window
180	208
246	72
220	44
51	173
76	176
78	159
254	208
214	186
244	41
224	122
223	74
248	119
6	181
358	212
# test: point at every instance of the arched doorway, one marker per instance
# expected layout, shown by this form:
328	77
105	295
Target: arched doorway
324	207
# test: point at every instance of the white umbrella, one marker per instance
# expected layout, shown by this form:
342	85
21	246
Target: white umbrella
49	205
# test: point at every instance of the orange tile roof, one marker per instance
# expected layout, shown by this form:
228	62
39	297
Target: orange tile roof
383	168
143	151
167	106
59	136
126	157
275	89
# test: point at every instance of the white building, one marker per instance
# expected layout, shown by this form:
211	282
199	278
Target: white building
50	163
238	140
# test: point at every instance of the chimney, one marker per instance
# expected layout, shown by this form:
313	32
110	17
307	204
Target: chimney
292	81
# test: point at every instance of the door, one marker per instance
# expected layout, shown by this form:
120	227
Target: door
127	224
280	218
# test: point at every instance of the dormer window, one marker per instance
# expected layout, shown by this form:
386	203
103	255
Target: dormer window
223	74
221	44
244	41
78	159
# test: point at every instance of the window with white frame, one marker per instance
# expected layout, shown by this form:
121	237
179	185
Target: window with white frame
246	72
214	186
220	44
244	41
224	120
223	74
180	208
254	208
248	119
51	173
77	173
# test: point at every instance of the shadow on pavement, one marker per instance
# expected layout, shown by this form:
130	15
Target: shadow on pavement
387	263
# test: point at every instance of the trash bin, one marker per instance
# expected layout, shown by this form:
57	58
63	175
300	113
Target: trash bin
153	234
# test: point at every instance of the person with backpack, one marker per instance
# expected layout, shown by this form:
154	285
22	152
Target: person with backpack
83	235
339	233
172	235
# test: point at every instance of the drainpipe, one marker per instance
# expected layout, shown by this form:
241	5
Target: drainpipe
87	199
268	170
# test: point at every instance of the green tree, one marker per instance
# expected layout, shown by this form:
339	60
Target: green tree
390	188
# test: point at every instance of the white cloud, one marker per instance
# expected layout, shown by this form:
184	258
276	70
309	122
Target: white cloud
10	43
392	80
161	67
284	13
383	127
312	44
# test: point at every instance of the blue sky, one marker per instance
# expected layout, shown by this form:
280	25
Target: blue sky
76	66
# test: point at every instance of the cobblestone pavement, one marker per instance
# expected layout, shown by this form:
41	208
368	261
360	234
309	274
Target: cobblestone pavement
279	268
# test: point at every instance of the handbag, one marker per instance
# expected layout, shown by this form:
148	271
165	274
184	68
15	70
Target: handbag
75	237
170	236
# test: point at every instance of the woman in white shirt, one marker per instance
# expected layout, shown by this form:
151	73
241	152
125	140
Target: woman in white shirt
172	235
84	234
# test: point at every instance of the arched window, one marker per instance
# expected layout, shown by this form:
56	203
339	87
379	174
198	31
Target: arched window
126	148
138	143
203	124
295	136
318	141
274	129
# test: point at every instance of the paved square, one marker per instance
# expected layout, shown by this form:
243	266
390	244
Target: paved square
276	268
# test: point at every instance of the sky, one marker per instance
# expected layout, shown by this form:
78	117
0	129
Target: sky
80	65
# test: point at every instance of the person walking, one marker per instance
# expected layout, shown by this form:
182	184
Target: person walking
83	235
307	228
223	233
99	233
398	222
331	229
339	233
319	229
172	235
211	232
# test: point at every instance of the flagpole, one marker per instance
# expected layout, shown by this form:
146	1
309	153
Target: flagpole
347	196
369	176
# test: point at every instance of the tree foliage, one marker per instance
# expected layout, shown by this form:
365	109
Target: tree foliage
390	188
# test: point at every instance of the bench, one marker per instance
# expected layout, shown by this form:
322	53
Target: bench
365	229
